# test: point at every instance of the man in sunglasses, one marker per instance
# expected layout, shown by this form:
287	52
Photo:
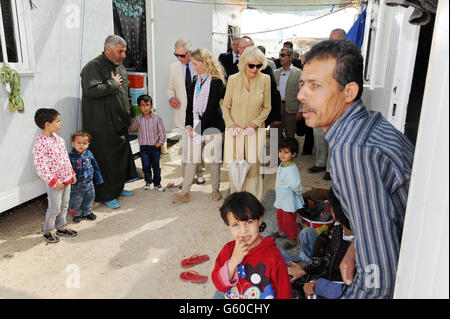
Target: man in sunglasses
295	62
181	75
288	83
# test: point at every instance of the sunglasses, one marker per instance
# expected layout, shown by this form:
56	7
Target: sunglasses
282	55
180	55
258	66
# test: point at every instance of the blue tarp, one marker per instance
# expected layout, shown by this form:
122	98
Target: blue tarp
356	32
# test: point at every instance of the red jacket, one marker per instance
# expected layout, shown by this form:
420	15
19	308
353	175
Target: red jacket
261	275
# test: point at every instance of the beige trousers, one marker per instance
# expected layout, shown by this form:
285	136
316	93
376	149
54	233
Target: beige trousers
209	152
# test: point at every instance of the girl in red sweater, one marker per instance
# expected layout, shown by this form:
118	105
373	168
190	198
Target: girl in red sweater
250	266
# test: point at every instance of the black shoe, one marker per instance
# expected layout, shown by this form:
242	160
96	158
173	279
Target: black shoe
51	238
316	169
276	234
287	245
91	216
327	176
77	219
66	232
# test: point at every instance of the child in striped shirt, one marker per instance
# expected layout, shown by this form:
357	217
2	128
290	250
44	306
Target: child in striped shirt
152	135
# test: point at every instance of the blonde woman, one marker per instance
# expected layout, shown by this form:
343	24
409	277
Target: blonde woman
245	107
204	121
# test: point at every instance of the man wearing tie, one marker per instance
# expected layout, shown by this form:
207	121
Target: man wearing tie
181	76
230	59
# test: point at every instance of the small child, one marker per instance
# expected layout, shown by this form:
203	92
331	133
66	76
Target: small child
53	166
250	266
288	192
82	194
152	136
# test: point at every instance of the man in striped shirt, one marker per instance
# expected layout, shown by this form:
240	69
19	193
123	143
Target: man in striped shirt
370	165
152	135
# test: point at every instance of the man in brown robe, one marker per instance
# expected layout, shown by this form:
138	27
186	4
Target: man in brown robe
106	116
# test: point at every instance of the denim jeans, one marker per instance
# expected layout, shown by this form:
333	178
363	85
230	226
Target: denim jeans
82	198
58	202
307	239
150	161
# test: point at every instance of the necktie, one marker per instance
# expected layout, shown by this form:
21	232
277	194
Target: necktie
188	80
237	60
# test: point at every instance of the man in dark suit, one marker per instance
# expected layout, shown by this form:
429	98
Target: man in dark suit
295	62
230	59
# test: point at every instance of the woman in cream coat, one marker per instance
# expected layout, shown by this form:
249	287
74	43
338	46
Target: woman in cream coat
245	107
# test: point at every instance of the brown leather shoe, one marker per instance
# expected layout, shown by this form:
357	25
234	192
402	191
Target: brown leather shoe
216	195
184	197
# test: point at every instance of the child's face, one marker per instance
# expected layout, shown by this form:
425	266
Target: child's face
54	126
285	155
80	143
246	231
145	107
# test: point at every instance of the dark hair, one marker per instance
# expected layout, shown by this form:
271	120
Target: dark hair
289	43
82	134
290	143
145	98
43	116
349	61
243	206
337	209
263	49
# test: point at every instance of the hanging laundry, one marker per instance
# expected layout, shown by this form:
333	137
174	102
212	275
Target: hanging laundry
12	81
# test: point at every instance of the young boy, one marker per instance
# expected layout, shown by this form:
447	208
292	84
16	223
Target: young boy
83	162
288	192
152	136
53	166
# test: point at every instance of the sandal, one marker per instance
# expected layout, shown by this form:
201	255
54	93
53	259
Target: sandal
51	238
194	260
193	276
66	232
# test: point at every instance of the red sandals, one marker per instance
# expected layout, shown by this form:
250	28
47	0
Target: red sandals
194	260
193	276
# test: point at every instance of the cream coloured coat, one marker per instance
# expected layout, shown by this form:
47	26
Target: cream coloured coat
176	88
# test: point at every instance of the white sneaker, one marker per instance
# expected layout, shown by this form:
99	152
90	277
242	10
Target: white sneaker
147	186
159	188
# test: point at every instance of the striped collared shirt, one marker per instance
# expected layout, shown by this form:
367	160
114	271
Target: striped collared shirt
151	130
370	167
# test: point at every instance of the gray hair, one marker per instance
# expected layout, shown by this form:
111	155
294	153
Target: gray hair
252	53
289	51
184	43
112	40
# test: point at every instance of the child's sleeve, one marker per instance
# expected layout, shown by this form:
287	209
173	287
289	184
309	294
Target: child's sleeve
134	125
294	181
282	283
161	130
329	289
218	276
98	179
40	163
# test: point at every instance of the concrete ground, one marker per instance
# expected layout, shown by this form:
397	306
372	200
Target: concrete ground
131	252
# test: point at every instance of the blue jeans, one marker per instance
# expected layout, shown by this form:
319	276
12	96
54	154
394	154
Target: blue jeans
150	161
82	197
307	239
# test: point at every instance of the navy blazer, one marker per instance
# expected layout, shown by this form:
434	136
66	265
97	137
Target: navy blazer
212	117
